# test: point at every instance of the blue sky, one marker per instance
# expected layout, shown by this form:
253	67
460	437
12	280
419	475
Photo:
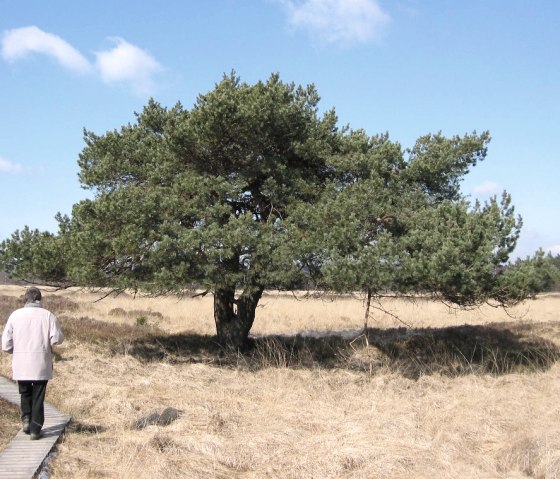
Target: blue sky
406	67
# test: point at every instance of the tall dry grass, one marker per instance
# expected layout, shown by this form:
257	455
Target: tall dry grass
9	422
451	395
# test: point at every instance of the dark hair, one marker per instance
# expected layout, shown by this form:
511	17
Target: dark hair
32	294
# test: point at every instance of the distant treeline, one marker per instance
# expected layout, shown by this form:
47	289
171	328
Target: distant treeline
556	262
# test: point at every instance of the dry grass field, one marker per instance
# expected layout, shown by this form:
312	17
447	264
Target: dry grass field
439	393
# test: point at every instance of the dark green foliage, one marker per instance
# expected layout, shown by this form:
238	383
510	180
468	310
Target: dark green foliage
553	282
34	255
555	261
528	277
253	189
196	196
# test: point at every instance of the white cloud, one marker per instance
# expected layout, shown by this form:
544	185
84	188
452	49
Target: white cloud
125	63
343	22
487	188
9	167
129	64
554	249
20	42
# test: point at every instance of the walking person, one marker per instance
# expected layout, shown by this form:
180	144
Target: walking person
29	335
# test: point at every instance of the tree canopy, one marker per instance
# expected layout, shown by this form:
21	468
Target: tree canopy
254	188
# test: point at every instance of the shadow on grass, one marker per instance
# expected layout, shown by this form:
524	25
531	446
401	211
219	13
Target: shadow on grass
499	348
451	351
78	427
454	351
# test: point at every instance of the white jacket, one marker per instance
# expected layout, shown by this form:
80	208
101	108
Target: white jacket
29	334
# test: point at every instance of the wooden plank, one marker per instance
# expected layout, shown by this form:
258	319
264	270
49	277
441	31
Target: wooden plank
22	457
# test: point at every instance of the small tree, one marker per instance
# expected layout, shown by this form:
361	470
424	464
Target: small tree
35	256
253	189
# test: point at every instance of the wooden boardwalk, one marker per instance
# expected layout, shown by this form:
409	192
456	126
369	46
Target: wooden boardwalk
22	458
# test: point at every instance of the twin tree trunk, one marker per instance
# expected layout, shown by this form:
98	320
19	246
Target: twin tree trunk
234	317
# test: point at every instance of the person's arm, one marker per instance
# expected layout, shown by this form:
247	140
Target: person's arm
57	337
7	338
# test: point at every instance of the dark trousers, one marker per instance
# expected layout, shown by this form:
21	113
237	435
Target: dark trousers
32	395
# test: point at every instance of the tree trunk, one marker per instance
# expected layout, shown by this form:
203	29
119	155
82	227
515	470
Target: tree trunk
234	318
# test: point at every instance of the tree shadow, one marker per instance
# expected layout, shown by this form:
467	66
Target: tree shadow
451	351
176	348
495	349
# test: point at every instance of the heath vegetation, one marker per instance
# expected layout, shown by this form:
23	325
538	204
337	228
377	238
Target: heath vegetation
437	392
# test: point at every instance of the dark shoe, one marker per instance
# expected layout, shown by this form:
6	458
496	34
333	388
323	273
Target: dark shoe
25	425
35	435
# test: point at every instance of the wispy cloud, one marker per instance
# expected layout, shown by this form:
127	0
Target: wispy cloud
341	22
21	42
125	63
487	188
128	63
554	249
9	167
